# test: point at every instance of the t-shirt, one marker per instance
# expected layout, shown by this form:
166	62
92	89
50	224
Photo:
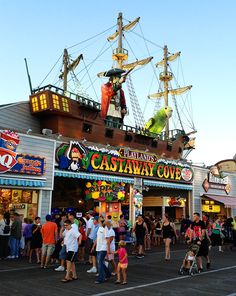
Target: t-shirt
101	240
88	226
71	240
234	225
197	229
121	253
110	233
49	231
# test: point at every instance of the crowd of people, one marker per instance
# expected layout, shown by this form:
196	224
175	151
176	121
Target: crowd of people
92	239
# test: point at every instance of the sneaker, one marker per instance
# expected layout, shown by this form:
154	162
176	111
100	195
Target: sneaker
60	268
92	270
11	257
208	265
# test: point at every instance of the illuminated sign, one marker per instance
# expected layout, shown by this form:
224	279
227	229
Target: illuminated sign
10	160
211	208
112	161
105	191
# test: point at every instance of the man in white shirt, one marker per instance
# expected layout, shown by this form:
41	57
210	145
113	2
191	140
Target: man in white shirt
101	248
72	240
110	238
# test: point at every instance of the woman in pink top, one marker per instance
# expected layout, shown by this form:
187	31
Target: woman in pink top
123	263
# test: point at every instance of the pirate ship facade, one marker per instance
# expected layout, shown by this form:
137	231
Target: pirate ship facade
74	116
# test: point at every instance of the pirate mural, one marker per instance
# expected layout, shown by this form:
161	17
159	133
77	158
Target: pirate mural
75	158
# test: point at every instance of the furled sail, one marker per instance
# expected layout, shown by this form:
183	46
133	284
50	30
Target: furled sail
137	63
73	65
177	91
171	58
124	28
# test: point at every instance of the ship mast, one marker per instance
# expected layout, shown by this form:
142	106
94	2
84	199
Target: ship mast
166	76
120	54
68	67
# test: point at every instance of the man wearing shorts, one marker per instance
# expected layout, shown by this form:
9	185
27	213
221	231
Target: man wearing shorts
49	234
72	240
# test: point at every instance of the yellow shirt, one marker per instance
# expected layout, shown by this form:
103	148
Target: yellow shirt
234	225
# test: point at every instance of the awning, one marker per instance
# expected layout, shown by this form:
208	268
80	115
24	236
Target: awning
228	201
92	176
168	185
22	182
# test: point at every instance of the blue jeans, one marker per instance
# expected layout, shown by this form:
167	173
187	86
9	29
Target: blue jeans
103	271
14	246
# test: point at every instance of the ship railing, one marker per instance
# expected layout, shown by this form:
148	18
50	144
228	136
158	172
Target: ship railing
82	100
130	130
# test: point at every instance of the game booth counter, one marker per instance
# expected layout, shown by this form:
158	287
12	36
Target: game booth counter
25	180
119	180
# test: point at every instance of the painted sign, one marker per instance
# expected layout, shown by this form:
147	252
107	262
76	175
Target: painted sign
10	160
218	183
105	191
112	161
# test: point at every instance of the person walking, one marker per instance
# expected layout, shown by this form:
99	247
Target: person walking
5	230
140	229
72	240
93	252
110	237
122	228
36	240
101	248
233	233
15	236
49	234
123	263
199	237
216	234
168	232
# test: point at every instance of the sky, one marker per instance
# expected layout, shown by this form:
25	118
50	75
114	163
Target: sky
203	30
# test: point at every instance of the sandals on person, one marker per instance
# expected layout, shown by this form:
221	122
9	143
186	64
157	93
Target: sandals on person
74	279
124	283
117	282
66	280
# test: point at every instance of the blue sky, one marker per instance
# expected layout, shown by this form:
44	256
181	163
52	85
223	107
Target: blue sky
203	30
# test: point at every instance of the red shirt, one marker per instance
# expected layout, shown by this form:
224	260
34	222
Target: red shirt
49	233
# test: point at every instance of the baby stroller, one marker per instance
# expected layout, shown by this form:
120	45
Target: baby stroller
189	265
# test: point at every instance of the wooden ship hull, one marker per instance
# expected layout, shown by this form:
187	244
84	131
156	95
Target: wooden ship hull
79	118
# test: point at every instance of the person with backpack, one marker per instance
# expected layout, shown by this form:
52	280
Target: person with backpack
5	230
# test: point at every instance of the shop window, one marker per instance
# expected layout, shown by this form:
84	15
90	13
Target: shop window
65	105
55	100
154	143
43	102
169	146
35	104
128	138
87	128
109	133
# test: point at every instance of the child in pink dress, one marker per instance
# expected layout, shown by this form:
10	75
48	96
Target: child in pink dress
123	263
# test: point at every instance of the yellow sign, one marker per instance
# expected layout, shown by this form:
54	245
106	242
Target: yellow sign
211	208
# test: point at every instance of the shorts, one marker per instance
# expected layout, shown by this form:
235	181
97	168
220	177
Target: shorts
62	254
71	256
123	265
82	244
48	249
109	257
94	252
203	250
140	241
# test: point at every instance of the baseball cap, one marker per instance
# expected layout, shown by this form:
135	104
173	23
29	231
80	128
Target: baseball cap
90	212
96	218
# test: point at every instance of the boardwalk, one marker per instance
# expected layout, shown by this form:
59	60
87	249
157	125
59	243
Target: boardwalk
148	276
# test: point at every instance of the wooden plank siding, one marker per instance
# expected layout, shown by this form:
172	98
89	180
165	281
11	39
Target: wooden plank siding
17	116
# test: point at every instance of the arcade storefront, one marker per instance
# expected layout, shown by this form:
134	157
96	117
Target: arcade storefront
116	181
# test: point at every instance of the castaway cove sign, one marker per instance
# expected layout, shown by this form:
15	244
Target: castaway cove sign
77	157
